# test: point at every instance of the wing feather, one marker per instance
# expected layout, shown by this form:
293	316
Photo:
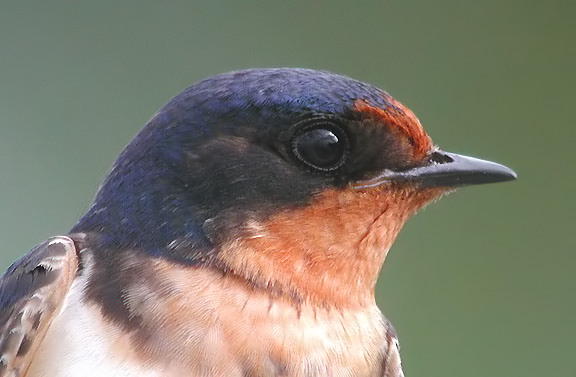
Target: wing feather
32	292
391	363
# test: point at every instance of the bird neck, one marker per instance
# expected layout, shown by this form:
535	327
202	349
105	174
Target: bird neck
330	252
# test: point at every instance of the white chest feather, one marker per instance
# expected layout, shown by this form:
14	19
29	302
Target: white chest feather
77	344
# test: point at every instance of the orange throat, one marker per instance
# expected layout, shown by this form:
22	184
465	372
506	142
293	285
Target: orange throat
328	253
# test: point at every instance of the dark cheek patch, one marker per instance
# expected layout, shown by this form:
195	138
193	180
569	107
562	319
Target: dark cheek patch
403	119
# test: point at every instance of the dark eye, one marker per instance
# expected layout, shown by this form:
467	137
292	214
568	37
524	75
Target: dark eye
322	146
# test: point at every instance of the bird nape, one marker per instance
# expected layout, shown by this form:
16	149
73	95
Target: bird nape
241	233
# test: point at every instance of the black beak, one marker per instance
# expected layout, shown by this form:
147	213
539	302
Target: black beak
445	169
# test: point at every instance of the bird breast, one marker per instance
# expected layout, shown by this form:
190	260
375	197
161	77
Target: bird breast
206	323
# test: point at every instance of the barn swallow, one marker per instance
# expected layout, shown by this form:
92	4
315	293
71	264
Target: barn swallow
241	233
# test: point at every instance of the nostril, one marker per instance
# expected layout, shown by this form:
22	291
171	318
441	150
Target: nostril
440	158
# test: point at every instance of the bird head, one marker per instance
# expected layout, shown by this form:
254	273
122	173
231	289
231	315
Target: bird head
295	181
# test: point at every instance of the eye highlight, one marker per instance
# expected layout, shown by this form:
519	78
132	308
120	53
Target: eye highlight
322	146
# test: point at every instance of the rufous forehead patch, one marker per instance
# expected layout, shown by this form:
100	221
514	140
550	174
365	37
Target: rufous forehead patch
403	118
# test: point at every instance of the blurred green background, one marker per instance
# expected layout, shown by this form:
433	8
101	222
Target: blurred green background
480	284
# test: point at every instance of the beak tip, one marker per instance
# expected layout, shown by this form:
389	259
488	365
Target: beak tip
511	175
